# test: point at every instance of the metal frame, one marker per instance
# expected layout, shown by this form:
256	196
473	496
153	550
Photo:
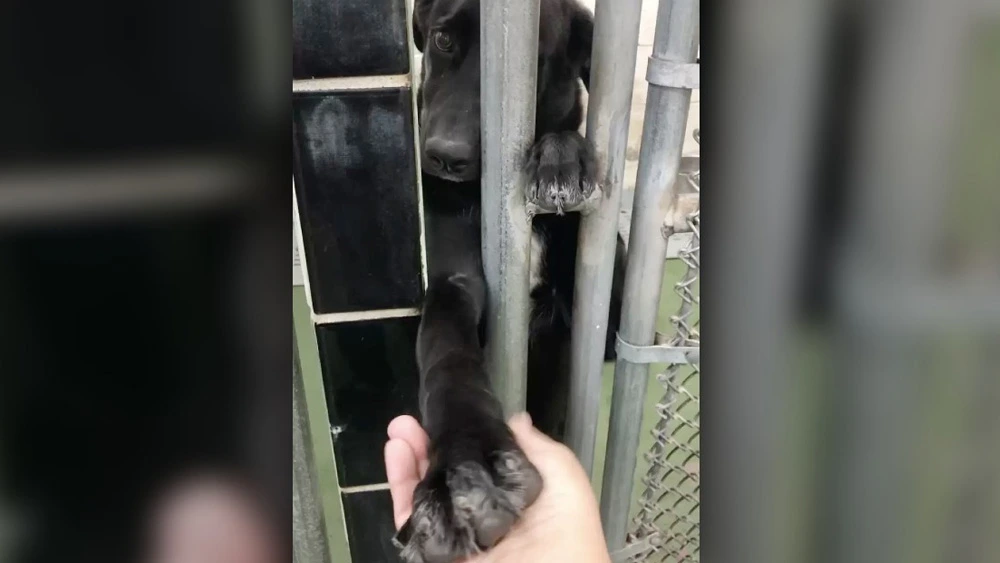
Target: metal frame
676	41
616	35
509	74
509	55
309	532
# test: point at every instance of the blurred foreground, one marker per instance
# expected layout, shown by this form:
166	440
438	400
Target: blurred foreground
850	160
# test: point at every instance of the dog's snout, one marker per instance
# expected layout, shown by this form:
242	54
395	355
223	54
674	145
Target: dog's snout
449	156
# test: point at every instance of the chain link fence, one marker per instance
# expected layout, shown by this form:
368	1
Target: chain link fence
669	505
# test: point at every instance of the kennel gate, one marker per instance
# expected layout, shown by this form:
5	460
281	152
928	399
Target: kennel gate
666	526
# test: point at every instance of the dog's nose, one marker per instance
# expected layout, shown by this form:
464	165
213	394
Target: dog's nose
449	156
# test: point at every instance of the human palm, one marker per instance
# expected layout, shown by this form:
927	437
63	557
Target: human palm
562	524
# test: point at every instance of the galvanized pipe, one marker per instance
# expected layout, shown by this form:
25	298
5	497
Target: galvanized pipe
676	40
309	538
509	60
616	35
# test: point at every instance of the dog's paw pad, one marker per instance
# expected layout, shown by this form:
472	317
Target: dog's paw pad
562	170
462	510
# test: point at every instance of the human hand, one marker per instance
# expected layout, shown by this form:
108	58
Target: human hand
563	524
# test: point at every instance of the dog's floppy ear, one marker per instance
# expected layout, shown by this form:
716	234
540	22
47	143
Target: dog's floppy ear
581	40
421	11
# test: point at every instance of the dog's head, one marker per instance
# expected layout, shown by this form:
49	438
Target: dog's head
447	33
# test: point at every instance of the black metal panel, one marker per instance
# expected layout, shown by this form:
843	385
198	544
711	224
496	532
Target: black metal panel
368	517
370	375
355	177
348	38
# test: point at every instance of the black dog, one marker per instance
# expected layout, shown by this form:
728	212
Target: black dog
479	481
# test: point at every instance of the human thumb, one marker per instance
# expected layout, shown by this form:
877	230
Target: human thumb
529	438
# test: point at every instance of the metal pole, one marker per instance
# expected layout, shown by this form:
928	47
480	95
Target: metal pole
616	34
308	524
770	144
674	47
509	59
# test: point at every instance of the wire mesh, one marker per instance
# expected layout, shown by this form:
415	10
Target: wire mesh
669	505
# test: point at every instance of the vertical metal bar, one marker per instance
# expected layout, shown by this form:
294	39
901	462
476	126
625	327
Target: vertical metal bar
771	115
616	35
676	40
890	251
308	524
509	59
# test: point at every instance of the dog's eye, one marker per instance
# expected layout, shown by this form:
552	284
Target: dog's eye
443	41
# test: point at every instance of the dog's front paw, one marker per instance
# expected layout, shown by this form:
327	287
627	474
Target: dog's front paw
562	172
468	500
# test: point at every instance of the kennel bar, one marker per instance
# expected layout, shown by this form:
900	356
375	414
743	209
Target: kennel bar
616	35
308	523
509	59
675	45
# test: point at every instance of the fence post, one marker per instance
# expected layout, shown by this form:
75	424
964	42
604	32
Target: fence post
308	524
616	35
674	47
509	59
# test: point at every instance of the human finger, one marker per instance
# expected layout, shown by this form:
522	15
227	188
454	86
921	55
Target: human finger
407	428
529	438
402	472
